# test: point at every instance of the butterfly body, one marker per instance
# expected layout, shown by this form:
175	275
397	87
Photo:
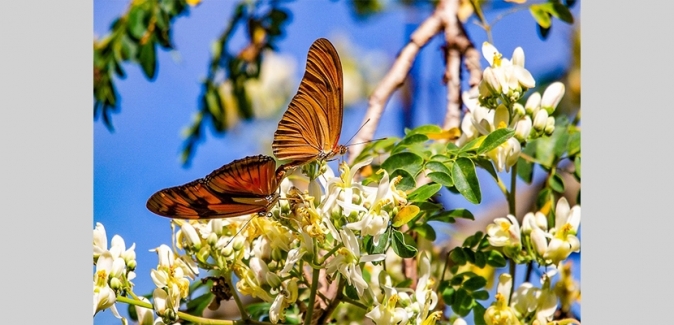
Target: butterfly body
244	186
310	128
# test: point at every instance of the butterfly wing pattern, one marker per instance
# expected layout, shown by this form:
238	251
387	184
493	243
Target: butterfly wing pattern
310	128
244	186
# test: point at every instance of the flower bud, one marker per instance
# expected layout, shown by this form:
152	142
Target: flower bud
404	299
552	96
550	125
523	129
115	284
533	104
191	237
518	111
540	120
492	81
131	265
238	242
204	253
273	280
227	250
212	239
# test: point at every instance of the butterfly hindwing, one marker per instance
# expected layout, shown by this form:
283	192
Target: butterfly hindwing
244	186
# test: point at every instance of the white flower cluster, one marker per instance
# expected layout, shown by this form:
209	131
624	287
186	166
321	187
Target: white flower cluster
529	304
549	246
321	227
493	105
114	270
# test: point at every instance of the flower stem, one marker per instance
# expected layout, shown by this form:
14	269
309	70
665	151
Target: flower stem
312	296
353	302
513	185
182	315
242	310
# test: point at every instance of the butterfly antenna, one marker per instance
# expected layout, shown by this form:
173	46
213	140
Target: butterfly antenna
240	230
360	128
364	142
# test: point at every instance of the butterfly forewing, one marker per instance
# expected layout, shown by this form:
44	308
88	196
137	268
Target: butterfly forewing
311	126
244	186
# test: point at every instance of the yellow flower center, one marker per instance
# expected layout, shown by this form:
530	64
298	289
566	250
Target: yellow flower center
497	59
505	226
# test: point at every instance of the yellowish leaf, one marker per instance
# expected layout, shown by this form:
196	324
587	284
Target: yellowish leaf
405	215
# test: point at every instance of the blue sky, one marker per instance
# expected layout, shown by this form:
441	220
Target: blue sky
142	155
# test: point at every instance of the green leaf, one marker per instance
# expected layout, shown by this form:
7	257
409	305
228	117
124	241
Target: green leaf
475	283
436	166
148	60
478	314
495	139
561	12
463	302
448	295
424	129
471	145
441	178
480	295
439	158
487	165
137	24
426	231
407	161
413	139
470	255
574	144
495	259
455	213
423	193
556	183
541	15
407	182
351	292
527	168
576	163
381	245
197	305
465	180
457	256
401	247
480	259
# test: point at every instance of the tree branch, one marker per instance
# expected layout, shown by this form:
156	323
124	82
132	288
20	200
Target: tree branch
394	79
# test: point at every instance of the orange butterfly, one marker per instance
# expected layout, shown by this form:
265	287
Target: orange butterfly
244	186
309	130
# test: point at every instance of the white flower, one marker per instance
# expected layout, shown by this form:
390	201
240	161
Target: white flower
188	237
166	304
500	312
552	96
104	296
504	232
100	240
387	313
504	76
347	261
505	155
564	240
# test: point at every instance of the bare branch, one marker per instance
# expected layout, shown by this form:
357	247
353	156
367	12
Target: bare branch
453	70
394	79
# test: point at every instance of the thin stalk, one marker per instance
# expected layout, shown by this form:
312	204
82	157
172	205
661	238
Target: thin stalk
513	185
182	315
242	310
312	296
